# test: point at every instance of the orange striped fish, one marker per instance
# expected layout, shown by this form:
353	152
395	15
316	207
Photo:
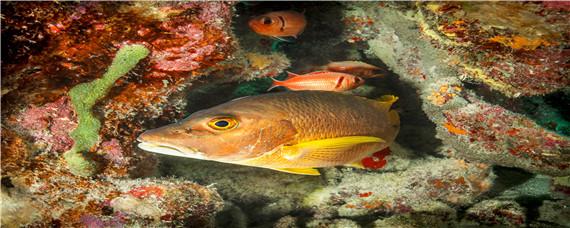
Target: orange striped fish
320	80
356	67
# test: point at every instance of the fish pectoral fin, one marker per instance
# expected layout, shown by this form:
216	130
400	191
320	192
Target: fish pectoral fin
325	148
303	171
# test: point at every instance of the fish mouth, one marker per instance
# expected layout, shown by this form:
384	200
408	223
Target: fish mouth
171	150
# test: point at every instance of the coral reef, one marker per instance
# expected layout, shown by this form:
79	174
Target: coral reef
415	189
74	89
513	47
495	130
53	196
440	78
493	212
483	90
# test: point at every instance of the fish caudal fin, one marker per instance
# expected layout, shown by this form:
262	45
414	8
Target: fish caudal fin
394	118
303	171
275	84
325	149
291	75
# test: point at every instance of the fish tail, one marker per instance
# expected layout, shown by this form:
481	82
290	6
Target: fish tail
275	83
290	75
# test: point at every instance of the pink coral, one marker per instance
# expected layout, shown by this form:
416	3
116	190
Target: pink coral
51	123
112	151
186	56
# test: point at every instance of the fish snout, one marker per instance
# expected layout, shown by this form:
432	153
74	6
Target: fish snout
154	142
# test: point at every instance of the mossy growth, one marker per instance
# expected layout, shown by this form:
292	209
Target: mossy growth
84	96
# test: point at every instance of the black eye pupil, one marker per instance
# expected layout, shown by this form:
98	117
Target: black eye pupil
222	123
357	79
266	21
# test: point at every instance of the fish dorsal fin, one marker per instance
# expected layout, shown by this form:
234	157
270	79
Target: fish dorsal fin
325	149
386	101
303	171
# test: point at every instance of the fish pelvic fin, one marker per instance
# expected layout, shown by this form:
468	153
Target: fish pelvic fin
357	165
278	38
325	149
302	171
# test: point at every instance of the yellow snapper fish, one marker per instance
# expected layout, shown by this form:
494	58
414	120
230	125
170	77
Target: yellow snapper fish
294	131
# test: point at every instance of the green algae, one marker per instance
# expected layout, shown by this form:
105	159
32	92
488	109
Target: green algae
84	96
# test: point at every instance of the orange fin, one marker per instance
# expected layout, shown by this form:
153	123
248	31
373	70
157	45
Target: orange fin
275	83
290	75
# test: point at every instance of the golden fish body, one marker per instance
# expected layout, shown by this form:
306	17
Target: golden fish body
293	131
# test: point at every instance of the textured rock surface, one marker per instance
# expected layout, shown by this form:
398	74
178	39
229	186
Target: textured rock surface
483	90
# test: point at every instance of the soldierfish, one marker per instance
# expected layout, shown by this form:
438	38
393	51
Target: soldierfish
278	24
320	80
355	67
287	131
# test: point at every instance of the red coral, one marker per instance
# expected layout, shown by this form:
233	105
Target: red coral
365	194
377	160
143	192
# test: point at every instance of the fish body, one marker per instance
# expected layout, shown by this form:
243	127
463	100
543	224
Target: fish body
355	67
287	131
278	24
320	80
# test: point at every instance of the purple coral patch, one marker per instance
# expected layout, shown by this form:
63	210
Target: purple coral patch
112	151
51	124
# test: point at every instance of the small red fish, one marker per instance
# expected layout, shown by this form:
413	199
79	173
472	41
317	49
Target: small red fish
278	24
356	67
321	80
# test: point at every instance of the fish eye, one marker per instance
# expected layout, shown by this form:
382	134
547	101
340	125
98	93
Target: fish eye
357	79
266	20
223	123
